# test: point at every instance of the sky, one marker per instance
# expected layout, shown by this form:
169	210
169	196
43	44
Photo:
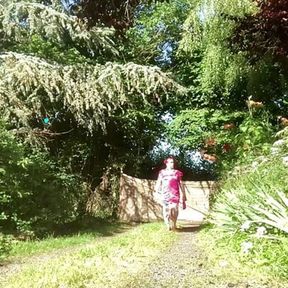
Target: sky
67	3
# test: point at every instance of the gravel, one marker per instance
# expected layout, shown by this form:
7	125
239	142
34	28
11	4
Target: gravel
184	266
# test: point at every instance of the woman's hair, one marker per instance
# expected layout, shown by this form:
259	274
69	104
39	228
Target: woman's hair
170	157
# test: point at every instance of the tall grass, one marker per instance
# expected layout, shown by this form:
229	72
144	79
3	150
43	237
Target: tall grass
251	208
256	197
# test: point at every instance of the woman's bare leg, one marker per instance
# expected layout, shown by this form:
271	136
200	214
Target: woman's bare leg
173	216
166	215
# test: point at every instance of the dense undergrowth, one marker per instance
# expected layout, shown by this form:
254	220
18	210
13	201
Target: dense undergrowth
36	195
250	210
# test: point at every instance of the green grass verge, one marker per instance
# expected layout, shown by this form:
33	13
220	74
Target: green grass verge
71	237
108	263
266	263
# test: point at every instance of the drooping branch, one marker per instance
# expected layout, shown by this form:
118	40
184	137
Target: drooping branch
21	20
90	93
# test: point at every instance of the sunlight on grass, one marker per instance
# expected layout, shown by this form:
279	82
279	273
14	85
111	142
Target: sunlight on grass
34	247
108	263
29	248
227	262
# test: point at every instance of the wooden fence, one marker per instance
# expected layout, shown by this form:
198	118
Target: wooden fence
137	201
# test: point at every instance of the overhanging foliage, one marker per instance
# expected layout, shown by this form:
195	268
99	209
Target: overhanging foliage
21	20
207	31
90	92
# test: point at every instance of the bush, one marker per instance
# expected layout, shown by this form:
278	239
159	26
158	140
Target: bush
251	208
255	195
5	246
35	194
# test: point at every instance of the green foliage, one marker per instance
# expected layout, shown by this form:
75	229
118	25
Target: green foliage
225	75
208	29
34	193
201	28
256	135
91	93
51	51
5	246
191	128
255	195
156	25
88	96
267	81
23	19
230	136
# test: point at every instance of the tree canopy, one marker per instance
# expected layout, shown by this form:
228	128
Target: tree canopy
95	86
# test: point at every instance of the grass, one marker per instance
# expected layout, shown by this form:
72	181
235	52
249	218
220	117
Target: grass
70	236
108	263
252	199
265	263
124	260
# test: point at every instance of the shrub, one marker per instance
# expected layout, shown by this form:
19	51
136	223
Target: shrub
35	194
255	195
251	208
5	246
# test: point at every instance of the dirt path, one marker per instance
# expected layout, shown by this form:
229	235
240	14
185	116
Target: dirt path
181	266
177	263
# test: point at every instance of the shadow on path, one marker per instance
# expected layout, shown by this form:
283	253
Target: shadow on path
91	225
188	229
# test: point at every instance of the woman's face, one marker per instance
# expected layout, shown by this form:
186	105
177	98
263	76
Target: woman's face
170	163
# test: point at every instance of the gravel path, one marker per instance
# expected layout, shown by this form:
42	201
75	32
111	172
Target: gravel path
181	266
173	267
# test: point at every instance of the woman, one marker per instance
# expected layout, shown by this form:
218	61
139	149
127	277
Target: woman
169	184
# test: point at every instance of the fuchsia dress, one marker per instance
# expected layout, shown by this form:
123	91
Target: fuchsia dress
170	180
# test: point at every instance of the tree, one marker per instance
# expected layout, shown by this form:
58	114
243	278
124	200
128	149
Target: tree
89	92
79	100
265	31
117	14
155	34
222	82
226	75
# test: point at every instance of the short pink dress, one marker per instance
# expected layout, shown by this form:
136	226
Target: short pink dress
170	180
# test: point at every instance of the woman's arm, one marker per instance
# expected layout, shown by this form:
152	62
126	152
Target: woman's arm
158	185
182	191
181	187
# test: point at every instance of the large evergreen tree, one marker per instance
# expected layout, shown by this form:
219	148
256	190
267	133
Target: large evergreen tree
65	89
